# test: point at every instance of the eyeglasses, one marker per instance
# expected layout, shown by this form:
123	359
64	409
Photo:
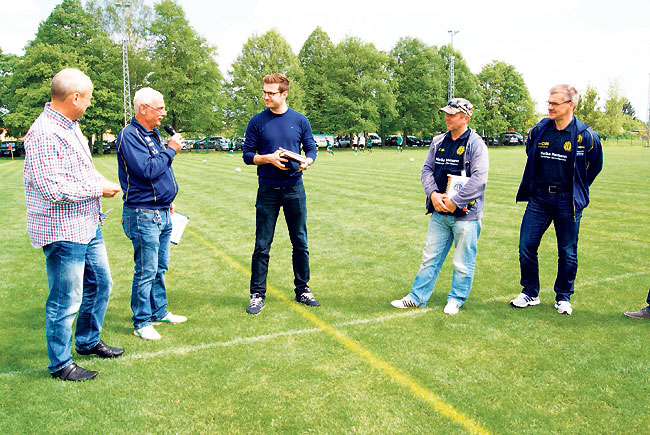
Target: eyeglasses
457	105
160	111
555	104
270	94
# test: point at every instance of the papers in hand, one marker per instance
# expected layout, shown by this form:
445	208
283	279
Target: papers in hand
293	156
179	221
455	183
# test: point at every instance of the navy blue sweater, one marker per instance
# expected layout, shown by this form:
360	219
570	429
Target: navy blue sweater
266	132
144	167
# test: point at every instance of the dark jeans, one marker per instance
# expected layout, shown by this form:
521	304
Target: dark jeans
294	204
542	208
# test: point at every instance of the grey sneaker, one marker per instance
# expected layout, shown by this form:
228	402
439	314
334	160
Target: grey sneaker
307	298
643	313
523	300
256	304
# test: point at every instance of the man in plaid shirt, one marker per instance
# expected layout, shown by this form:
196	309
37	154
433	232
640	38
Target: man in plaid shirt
63	192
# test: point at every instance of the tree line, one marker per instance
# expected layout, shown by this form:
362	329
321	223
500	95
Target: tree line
346	87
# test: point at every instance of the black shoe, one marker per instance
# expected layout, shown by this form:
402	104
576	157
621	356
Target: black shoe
102	350
308	299
72	372
256	305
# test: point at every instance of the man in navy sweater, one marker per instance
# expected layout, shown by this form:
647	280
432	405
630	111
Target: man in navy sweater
280	186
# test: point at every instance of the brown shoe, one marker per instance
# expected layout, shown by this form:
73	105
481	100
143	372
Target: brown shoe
643	313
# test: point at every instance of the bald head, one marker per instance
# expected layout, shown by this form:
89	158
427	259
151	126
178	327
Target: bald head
68	81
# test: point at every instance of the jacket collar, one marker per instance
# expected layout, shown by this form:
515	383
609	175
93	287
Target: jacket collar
142	129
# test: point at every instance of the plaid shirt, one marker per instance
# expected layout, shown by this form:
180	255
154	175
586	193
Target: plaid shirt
62	188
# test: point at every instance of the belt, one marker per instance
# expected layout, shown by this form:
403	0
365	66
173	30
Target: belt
551	189
148	210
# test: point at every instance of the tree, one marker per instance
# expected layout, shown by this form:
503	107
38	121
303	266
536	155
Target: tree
262	55
505	98
320	91
7	66
366	98
419	73
69	37
628	109
185	72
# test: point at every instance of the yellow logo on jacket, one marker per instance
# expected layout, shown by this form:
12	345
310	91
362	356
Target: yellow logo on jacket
567	146
460	150
579	138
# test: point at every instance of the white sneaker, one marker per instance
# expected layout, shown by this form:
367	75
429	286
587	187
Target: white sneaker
147	333
405	302
564	307
451	308
523	300
173	318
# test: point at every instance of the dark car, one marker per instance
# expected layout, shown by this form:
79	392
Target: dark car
511	138
17	147
102	147
426	141
239	143
343	142
391	141
413	141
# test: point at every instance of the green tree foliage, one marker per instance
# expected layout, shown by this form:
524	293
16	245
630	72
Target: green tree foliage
587	109
7	66
366	101
420	90
320	90
505	98
262	55
69	37
185	72
628	109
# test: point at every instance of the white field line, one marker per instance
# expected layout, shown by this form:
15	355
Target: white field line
582	284
235	342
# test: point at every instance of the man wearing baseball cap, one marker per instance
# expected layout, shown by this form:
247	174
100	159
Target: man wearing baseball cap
455	215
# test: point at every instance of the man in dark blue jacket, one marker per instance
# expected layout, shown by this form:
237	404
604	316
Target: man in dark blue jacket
564	158
280	186
149	186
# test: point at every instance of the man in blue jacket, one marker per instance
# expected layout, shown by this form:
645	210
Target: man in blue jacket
149	186
280	186
564	158
455	214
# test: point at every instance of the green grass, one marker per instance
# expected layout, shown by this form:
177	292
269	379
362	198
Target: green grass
509	371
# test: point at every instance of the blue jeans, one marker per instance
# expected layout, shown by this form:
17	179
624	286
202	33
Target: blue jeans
149	231
294	204
80	282
442	231
542	208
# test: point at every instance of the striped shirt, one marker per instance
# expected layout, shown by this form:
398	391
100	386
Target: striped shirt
62	188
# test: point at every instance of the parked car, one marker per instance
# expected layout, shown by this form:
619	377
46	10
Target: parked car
413	141
239	143
17	147
391	141
511	138
102	147
426	141
344	142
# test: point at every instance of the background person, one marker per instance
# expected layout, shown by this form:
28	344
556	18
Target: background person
564	158
457	151
280	186
149	185
63	191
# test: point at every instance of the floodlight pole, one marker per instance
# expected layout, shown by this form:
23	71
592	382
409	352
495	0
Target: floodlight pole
126	82
450	91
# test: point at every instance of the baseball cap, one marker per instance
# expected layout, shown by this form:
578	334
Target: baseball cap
456	105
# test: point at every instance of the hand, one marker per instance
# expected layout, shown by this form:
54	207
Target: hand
305	165
109	189
276	160
176	142
451	206
437	200
172	208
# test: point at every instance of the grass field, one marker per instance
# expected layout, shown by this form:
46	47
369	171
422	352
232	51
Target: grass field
354	365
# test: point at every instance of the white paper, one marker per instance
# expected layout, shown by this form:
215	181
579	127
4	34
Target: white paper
179	221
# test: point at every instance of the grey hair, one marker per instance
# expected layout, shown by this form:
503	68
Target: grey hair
68	81
568	91
144	96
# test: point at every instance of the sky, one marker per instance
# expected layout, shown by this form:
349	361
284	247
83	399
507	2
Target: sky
582	43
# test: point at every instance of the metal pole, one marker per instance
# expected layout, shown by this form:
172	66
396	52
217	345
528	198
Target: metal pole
450	91
126	82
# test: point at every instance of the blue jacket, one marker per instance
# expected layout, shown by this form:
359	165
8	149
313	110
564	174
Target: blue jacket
144	167
586	159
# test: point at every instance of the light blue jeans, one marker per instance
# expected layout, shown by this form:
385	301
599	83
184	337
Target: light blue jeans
150	232
80	281
442	231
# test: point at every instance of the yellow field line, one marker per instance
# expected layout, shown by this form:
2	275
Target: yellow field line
395	374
